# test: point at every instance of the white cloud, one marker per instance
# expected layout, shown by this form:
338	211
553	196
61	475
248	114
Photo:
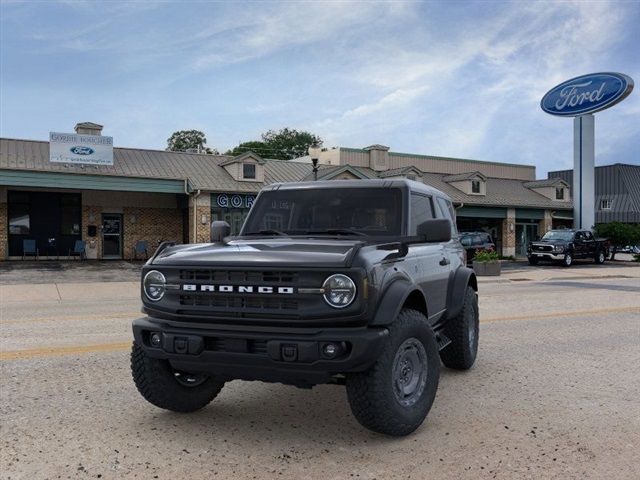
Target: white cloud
487	76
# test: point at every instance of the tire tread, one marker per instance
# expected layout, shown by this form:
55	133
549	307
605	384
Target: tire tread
153	379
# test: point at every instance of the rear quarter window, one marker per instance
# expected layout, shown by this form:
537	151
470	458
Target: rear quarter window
447	211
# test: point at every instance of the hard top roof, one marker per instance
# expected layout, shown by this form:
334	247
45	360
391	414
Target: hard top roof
370	183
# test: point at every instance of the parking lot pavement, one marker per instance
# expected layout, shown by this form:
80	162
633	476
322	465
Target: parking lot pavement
554	394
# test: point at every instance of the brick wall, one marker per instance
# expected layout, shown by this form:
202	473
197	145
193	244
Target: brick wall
91	215
545	224
202	210
509	233
151	224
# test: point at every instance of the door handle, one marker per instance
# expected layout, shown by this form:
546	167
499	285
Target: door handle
445	261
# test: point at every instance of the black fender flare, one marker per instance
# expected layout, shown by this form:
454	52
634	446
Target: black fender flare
392	301
462	278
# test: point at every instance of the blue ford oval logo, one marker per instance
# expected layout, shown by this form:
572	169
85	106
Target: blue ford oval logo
587	94
81	150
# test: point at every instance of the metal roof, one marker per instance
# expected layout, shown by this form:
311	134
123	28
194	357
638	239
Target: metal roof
546	182
463	176
619	184
202	171
205	172
400	171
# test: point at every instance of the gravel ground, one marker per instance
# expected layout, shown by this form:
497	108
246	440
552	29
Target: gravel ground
554	394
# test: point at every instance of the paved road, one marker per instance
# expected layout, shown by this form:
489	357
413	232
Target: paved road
554	395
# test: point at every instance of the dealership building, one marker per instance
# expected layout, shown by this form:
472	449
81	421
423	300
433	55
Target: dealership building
78	187
617	192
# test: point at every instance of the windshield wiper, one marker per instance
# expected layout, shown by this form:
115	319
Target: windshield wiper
267	232
336	231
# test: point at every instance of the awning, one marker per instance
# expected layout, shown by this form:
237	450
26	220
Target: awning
24	178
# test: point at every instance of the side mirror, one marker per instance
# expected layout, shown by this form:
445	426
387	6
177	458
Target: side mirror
435	230
219	230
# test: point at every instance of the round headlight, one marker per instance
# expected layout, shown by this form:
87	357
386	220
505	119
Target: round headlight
559	248
339	290
154	285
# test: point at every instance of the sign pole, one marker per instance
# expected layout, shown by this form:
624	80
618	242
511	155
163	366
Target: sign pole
579	98
583	171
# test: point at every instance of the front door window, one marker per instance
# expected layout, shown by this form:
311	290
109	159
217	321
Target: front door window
111	236
525	233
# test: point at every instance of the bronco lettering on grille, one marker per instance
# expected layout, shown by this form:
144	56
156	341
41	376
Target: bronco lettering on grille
190	287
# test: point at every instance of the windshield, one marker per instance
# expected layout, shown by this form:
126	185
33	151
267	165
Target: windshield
558	235
337	211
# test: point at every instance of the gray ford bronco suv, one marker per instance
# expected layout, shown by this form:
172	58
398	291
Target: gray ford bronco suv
360	283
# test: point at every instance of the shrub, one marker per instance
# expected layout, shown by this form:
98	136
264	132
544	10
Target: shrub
484	256
619	234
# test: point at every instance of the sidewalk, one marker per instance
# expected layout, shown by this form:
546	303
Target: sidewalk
520	272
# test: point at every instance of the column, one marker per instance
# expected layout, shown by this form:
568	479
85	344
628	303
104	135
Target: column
509	234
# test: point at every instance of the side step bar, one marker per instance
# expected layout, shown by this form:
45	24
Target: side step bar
442	340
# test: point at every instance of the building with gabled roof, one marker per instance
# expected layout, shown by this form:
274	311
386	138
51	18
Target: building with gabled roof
147	196
617	191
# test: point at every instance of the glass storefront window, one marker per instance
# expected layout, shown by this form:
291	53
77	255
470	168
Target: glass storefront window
70	214
19	219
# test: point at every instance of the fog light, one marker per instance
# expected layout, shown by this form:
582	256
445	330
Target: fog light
330	350
156	340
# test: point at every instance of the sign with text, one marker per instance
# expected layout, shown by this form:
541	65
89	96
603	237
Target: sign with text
587	94
233	200
80	149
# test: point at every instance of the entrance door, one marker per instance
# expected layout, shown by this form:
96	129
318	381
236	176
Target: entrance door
525	233
111	235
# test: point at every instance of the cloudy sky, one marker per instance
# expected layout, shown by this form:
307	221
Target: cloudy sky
459	79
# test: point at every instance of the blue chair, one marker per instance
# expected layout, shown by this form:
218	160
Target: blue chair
80	249
142	246
29	248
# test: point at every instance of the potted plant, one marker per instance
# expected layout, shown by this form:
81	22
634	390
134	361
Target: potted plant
486	263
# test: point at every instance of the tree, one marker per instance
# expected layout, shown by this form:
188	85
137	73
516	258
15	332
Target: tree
619	234
289	143
283	144
184	140
255	146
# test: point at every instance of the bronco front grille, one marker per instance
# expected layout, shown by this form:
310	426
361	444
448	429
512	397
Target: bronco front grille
239	302
260	277
223	295
543	248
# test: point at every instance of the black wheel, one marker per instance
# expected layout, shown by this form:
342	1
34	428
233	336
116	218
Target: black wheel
532	260
394	396
170	389
568	260
600	257
463	332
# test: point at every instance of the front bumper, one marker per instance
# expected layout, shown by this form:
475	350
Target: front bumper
546	256
292	356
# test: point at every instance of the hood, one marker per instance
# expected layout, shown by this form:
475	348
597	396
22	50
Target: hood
279	252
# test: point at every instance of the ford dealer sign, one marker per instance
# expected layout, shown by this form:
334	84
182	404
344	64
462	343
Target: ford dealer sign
587	94
80	149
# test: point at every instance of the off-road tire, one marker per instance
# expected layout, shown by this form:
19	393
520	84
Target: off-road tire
567	261
600	257
155	380
532	260
371	394
463	331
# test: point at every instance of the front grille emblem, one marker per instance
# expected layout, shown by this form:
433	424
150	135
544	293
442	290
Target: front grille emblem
191	287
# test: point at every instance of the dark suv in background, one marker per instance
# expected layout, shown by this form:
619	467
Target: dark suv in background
476	241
